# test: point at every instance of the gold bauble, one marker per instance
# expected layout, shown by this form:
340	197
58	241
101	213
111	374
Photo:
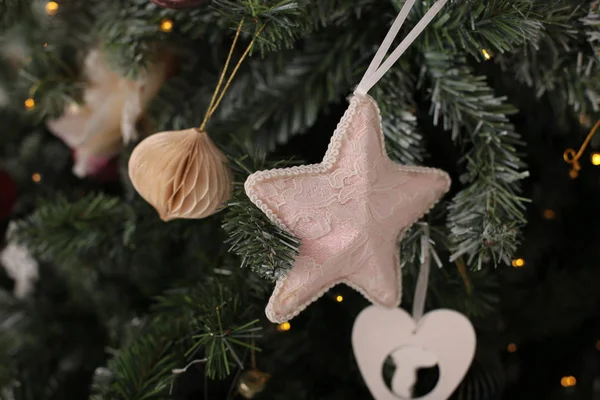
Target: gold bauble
252	382
182	174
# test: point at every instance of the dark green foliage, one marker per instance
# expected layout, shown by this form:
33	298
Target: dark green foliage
11	8
484	380
131	301
217	329
33	327
496	26
84	230
142	370
592	22
561	64
486	216
284	21
317	74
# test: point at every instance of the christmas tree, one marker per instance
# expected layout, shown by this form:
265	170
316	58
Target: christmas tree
116	287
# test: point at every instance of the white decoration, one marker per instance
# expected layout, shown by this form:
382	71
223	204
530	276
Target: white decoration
445	334
20	266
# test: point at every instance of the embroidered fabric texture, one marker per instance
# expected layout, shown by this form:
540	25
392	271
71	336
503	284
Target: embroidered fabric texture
349	211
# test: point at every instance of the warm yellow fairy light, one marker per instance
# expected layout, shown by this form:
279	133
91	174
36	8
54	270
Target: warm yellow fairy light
568	381
486	54
52	8
37	178
166	25
518	263
339	299
284	327
512	348
29	103
549	214
596	158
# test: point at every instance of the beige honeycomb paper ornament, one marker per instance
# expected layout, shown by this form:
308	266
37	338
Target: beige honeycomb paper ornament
183	174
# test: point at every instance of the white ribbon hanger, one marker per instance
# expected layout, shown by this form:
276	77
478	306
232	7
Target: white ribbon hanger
378	67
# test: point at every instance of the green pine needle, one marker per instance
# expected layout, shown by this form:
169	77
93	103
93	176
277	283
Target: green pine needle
486	216
263	247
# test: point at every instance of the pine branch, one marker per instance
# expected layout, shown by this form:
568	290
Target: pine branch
572	78
224	324
473	293
51	44
410	247
142	369
42	357
338	12
264	248
592	24
485	217
69	232
131	32
98	227
394	93
494	25
453	286
284	20
53	86
563	65
324	69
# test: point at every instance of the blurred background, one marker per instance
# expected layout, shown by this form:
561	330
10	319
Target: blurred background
102	299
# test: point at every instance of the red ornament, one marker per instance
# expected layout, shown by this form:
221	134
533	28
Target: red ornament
180	3
8	194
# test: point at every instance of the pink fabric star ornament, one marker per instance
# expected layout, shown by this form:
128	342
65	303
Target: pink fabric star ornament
350	211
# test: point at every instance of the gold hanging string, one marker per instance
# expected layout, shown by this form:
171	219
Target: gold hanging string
572	157
214	108
218	93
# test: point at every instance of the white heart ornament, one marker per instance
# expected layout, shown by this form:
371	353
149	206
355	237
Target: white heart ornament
446	334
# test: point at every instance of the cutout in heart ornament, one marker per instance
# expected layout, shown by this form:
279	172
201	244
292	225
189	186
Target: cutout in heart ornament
445	334
407	379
